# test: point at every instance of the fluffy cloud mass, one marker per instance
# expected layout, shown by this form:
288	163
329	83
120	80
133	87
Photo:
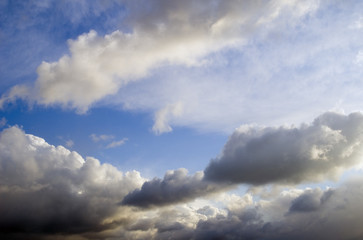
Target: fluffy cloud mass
51	189
202	66
176	187
47	190
257	156
312	152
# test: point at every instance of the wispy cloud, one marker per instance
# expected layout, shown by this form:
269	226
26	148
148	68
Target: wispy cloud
3	122
69	143
102	137
108	139
117	143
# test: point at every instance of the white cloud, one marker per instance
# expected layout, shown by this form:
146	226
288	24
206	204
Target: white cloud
163	117
186	35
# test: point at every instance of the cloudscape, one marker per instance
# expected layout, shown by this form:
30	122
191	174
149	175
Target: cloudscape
163	119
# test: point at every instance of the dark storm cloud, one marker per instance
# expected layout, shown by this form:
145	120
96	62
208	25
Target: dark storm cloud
310	201
48	189
290	155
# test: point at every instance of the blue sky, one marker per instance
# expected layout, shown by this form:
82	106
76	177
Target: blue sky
238	114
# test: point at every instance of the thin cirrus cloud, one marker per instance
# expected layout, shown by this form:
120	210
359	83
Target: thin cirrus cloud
108	138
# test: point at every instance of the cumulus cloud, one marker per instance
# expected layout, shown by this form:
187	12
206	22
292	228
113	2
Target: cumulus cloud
262	155
310	213
293	214
310	152
48	189
177	186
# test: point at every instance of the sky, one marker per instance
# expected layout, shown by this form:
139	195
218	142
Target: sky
163	119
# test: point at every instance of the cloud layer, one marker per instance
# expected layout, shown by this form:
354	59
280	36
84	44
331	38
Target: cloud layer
48	190
193	39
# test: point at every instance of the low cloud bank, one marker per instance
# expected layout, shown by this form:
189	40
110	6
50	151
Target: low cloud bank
256	155
50	189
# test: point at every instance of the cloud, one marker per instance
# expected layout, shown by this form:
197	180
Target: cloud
116	143
263	155
310	213
108	138
69	143
162	34
311	152
3	122
48	189
177	186
289	69
163	116
317	214
102	137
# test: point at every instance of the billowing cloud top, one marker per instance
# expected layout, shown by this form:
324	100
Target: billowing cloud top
48	188
289	154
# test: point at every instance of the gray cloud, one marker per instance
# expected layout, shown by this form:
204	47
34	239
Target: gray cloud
336	217
252	155
177	186
310	201
48	189
289	154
